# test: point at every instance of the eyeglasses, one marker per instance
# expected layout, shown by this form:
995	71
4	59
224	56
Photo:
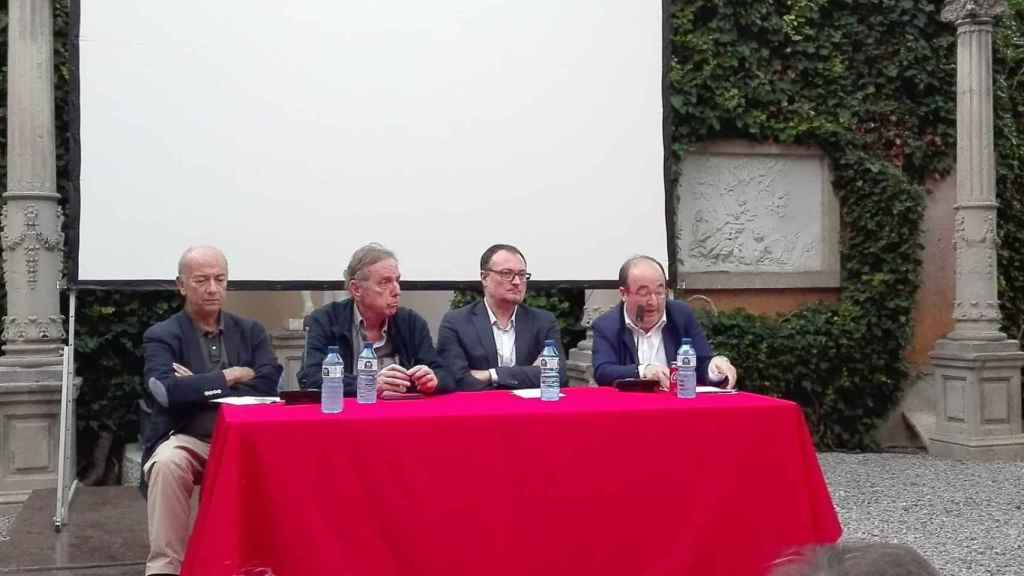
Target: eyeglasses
646	293
507	275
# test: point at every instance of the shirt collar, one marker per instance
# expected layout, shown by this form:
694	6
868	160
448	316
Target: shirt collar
494	319
216	331
361	324
639	331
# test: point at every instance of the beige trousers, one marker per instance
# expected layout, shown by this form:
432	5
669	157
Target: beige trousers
173	472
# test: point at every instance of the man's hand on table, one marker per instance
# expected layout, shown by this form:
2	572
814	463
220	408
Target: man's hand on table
721	366
656	372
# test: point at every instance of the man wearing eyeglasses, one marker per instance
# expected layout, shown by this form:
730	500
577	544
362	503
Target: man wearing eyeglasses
400	336
496	342
639	337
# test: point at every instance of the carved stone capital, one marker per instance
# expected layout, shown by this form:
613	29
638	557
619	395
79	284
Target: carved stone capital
33	328
968	10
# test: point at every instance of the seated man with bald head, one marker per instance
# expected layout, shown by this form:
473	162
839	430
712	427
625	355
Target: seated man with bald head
639	337
197	355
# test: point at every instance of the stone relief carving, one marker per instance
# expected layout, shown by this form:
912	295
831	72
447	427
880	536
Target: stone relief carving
960	10
974	310
33	240
743	216
33	328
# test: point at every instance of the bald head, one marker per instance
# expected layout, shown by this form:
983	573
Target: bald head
196	255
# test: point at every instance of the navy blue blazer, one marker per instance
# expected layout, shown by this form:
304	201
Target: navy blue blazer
175	340
331	325
466	342
615	355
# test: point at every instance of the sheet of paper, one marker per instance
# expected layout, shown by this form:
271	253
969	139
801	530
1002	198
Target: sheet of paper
713	390
247	400
533	393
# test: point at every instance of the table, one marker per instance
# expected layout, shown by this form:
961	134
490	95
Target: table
601	482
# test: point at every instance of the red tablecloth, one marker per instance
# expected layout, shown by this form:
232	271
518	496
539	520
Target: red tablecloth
601	482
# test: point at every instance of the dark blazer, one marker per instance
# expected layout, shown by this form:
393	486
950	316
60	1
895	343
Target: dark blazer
615	355
466	342
175	340
331	325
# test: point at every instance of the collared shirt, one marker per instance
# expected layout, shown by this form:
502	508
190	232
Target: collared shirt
650	345
504	340
211	343
382	348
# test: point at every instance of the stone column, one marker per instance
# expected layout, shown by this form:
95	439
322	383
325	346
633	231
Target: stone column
976	368
33	330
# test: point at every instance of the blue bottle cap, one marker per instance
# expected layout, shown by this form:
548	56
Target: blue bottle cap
332	349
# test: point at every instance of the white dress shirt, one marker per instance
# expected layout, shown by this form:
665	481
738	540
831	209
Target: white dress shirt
650	347
504	340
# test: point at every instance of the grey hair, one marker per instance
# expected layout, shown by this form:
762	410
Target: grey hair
857	559
363	258
186	256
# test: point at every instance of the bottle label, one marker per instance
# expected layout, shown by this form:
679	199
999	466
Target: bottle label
368	364
334	371
549	363
684	361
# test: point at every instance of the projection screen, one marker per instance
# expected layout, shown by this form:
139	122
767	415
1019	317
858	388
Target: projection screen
288	133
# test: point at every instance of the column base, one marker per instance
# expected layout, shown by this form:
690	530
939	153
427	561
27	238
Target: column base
994	449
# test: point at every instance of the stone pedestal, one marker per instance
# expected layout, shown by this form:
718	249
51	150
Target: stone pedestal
288	346
29	432
978	400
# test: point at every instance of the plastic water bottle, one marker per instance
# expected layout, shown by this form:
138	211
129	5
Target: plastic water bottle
332	390
366	375
549	380
686	359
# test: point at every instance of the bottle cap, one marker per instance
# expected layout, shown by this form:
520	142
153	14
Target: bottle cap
332	349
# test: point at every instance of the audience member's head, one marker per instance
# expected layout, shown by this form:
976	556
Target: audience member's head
861	559
373	279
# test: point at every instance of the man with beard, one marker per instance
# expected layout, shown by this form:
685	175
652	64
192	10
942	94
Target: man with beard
496	342
400	336
639	337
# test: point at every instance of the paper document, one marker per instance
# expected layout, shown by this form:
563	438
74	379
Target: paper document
247	400
533	393
714	390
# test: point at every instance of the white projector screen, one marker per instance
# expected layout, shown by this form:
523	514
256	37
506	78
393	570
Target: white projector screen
289	133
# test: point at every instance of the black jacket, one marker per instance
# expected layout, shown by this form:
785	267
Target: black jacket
331	325
466	342
175	340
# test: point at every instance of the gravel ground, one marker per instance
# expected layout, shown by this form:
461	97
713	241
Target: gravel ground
967	518
6	522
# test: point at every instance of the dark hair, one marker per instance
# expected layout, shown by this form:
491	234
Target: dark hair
485	258
860	559
628	265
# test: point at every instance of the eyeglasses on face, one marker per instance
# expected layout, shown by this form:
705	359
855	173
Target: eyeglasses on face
507	274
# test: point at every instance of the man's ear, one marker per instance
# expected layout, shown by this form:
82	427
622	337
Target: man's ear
622	293
180	284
